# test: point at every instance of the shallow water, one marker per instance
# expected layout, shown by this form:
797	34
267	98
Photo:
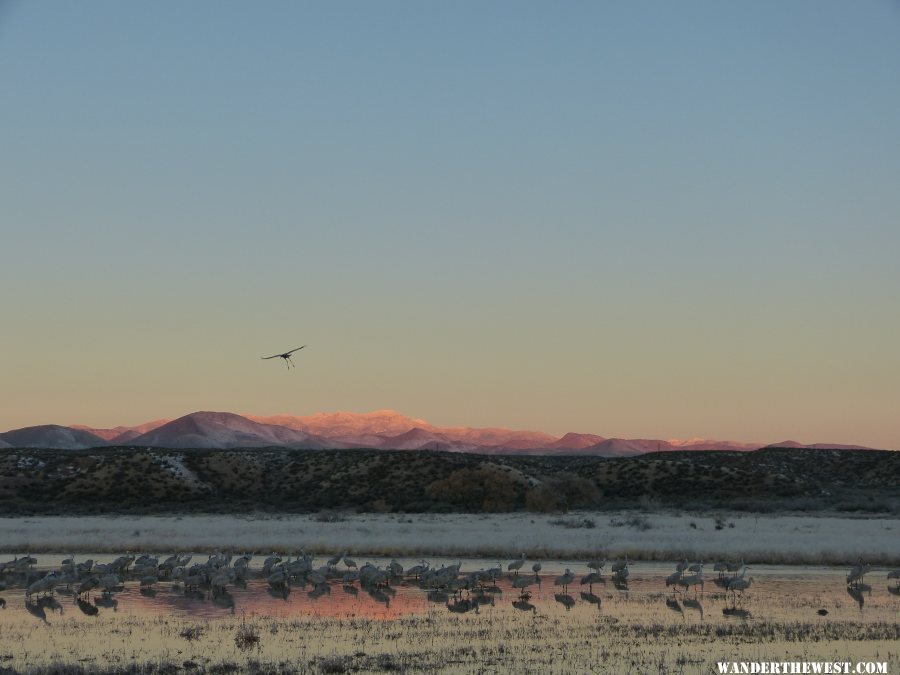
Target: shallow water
777	592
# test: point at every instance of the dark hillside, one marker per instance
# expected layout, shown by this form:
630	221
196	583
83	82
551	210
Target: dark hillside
137	480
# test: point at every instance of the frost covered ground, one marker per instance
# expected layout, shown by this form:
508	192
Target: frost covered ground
651	536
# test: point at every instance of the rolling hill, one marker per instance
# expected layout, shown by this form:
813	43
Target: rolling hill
381	429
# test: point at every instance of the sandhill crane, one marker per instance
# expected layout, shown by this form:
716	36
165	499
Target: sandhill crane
740	585
590	579
277	578
516	565
270	562
536	567
565	579
287	359
696	567
692	580
524	582
110	582
336	559
620	565
416	570
88	585
734	567
673	579
895	574
349	562
721	567
596	564
856	574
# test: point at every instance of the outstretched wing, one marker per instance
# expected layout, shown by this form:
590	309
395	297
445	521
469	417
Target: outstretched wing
270	357
295	350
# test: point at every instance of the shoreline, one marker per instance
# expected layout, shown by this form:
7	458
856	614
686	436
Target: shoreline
653	536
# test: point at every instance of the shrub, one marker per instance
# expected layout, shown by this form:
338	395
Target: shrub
246	638
575	523
483	489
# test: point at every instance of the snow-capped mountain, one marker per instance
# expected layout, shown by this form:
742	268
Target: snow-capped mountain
225	430
381	429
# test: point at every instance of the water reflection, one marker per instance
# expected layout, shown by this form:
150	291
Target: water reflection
675	606
693	603
336	593
736	613
565	600
857	592
524	605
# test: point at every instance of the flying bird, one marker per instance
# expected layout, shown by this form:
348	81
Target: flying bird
286	356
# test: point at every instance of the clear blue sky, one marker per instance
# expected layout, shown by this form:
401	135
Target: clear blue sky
636	219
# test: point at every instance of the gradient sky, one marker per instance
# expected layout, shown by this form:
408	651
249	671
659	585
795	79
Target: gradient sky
638	219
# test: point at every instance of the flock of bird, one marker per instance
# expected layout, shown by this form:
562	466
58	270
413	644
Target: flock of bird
461	591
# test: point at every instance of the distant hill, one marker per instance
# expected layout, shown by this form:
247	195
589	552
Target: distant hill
121	434
52	436
225	430
817	446
573	441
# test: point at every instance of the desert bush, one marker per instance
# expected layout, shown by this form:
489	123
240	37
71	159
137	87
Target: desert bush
334	664
246	638
562	492
574	523
191	633
329	517
636	521
483	489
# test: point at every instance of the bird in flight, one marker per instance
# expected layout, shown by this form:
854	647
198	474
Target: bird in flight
286	356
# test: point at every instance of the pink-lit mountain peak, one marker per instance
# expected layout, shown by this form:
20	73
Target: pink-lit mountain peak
380	429
344	423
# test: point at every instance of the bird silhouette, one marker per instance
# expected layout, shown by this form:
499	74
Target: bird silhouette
286	356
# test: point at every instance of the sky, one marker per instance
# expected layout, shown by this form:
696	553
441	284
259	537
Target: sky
642	219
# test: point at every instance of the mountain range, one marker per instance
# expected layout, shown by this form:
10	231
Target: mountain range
381	429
